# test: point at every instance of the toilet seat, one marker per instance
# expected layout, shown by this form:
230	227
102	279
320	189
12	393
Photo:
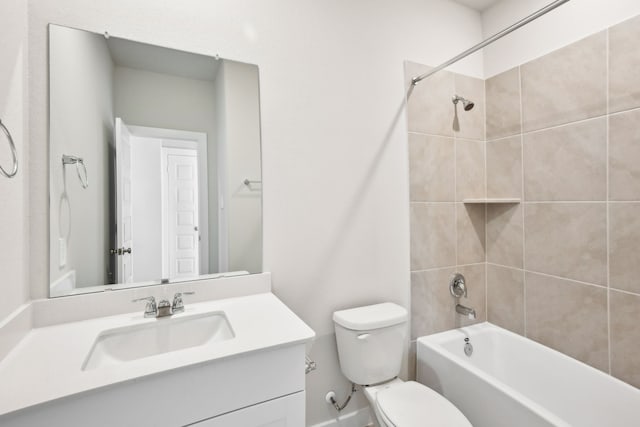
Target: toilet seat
411	404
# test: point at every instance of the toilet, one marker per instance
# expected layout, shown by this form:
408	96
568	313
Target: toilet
370	343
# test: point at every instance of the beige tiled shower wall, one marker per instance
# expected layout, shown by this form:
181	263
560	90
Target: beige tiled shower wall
563	134
447	165
563	267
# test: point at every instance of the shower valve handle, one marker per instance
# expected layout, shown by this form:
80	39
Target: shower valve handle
457	286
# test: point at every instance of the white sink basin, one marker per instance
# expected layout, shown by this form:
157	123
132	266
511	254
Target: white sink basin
115	346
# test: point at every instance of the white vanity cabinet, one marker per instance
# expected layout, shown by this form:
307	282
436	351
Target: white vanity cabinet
256	377
286	411
262	388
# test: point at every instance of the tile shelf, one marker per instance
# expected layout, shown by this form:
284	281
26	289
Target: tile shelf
492	201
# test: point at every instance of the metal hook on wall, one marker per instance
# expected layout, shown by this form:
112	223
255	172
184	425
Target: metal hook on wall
74	160
248	181
14	153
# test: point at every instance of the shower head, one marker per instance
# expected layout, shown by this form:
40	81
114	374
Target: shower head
467	104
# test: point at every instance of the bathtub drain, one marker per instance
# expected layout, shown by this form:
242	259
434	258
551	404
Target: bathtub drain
468	348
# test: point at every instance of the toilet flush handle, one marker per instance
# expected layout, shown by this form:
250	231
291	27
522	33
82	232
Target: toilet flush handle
363	336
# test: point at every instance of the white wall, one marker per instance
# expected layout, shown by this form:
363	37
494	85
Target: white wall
14	214
568	23
144	98
146	196
81	125
239	160
336	219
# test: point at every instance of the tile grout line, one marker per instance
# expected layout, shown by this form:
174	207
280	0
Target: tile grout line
553	276
569	123
567	279
608	219
565	202
455	196
523	207
503	138
486	266
446	267
618	202
586	119
455	181
564	124
486	207
622	291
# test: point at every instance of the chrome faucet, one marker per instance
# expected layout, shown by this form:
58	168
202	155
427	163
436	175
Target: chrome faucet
164	308
151	309
466	311
458	289
178	304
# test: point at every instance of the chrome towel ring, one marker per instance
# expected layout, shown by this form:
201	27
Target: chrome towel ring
73	160
14	154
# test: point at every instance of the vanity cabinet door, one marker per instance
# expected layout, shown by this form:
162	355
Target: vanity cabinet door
287	411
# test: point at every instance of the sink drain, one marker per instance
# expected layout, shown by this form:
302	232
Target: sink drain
468	348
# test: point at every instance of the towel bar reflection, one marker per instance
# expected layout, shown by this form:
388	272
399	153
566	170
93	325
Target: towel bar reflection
14	154
73	160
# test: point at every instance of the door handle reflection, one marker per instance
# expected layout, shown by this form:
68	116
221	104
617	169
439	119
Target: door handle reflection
120	251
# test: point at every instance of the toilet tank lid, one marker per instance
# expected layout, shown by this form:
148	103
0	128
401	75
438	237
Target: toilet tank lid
371	316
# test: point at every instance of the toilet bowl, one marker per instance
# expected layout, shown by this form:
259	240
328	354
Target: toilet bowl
370	343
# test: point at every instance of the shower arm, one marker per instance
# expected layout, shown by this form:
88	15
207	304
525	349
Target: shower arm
535	15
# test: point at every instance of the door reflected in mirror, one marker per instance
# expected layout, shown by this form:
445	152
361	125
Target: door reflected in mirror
155	172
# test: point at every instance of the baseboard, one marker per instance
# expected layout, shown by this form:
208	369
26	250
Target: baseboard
359	418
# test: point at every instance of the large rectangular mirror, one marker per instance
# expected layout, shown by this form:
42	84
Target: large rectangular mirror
155	172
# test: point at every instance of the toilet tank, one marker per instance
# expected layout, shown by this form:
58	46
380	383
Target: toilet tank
371	342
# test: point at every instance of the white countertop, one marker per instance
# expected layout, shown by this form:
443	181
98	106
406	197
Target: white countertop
47	363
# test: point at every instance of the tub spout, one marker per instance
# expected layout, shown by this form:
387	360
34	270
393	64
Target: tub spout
466	311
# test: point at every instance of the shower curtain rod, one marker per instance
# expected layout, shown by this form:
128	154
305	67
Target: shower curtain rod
508	30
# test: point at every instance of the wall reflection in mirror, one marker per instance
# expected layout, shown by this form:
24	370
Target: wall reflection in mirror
155	171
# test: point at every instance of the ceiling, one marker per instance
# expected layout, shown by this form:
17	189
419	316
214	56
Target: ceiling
479	5
141	56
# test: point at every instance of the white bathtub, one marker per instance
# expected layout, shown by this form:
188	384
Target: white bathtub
511	381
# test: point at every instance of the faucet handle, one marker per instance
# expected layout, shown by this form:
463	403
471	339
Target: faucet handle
178	304
457	286
151	310
150	299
